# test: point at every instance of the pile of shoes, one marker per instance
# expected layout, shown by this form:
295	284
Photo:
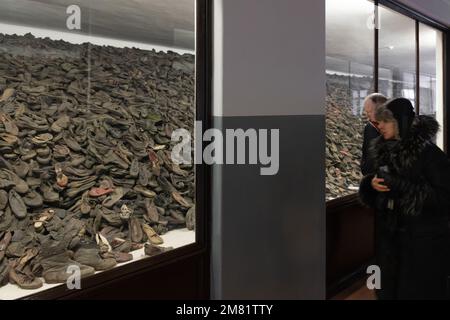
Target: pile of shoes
344	143
86	174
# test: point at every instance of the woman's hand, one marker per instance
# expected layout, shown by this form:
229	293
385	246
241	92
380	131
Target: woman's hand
378	185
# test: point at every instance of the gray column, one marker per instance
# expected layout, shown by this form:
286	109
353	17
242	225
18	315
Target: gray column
269	73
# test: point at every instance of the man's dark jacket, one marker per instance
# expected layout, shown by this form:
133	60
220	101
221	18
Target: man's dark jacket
370	133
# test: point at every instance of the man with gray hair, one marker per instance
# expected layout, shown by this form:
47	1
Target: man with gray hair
371	104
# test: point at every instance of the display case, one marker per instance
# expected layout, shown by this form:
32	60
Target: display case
350	78
96	99
372	46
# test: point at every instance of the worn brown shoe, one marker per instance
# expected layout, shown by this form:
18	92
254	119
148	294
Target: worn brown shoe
152	250
17	205
122	257
55	268
152	236
20	185
98	192
151	211
181	200
33	199
4	243
144	191
4	272
114	197
24	280
3	199
121	245
42	218
190	218
90	256
20	271
135	230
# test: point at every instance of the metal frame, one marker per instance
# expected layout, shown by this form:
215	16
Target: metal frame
417	67
446	53
376	66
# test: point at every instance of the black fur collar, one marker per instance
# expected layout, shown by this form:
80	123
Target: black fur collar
401	155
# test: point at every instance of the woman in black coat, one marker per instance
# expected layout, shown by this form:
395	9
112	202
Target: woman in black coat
409	188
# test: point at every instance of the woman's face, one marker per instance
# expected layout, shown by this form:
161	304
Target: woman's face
388	129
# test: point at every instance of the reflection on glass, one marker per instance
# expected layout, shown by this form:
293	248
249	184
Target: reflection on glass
86	120
431	94
397	55
349	68
428	58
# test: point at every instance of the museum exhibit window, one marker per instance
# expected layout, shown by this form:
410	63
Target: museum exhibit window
372	47
397	53
89	100
349	71
431	75
406	56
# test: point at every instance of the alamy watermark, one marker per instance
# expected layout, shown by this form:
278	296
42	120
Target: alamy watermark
235	146
374	279
73	22
74	279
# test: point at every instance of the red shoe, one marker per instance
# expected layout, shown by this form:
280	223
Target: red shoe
98	192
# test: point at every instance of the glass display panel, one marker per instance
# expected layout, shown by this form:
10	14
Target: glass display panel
90	97
349	71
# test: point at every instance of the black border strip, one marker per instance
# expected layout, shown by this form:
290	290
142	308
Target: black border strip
417	67
376	66
446	84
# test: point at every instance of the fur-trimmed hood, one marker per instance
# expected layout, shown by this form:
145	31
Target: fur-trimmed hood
406	159
401	155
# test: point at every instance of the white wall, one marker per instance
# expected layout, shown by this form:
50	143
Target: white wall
269	57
